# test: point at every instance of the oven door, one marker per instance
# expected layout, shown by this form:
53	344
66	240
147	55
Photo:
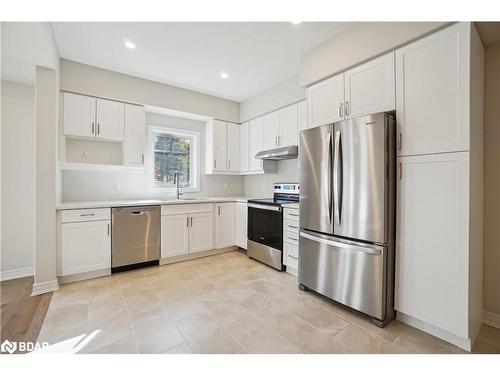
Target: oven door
265	225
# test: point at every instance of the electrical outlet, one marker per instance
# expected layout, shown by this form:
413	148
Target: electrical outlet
84	154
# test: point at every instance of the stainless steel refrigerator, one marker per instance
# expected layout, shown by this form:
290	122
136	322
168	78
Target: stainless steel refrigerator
347	213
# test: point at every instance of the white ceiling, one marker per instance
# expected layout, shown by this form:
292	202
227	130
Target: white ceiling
256	55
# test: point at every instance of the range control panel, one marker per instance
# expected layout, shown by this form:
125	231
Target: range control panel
286	188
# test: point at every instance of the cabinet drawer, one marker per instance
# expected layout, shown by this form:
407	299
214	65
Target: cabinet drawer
291	237
291	214
291	226
291	251
176	209
88	214
292	262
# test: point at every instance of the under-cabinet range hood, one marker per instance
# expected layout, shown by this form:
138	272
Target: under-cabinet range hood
282	153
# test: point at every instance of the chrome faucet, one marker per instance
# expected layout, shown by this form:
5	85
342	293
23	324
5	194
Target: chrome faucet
177	187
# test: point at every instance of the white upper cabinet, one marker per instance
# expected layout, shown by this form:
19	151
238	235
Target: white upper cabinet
110	120
432	76
135	133
225	225
272	123
302	115
233	147
256	143
79	115
370	88
289	135
216	146
244	150
325	101
433	240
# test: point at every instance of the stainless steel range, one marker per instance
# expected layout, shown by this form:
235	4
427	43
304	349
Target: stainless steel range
265	225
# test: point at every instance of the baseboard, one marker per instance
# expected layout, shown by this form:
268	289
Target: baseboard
84	276
200	254
16	274
461	342
491	319
45	287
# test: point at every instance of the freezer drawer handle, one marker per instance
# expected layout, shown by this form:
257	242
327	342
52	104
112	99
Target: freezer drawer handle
367	250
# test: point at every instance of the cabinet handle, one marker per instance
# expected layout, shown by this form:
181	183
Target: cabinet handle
142	159
191	221
400	171
108	229
341	111
93	127
347	108
293	214
294	239
215	163
293	226
400	141
279	140
218	210
291	256
84	215
187	221
98	128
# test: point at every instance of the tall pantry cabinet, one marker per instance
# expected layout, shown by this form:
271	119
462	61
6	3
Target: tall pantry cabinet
439	109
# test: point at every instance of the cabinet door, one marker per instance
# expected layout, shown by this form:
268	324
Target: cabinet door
272	124
219	146
225	229
432	93
110	120
289	135
233	147
371	87
302	115
79	115
244	151
201	232
432	240
86	246
256	144
241	224
174	235
135	134
325	101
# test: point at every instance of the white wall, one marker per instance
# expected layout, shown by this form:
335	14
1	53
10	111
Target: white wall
261	186
276	97
360	43
86	79
89	185
18	180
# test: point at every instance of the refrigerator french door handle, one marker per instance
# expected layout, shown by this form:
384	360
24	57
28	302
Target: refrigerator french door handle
368	250
336	178
329	169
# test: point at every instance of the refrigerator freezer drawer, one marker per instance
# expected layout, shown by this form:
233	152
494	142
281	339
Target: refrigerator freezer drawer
348	272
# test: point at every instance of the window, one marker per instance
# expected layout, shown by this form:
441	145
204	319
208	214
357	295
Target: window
174	151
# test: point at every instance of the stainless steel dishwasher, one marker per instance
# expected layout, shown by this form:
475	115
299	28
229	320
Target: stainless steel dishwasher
135	237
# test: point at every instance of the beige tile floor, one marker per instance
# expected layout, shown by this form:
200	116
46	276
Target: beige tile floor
225	303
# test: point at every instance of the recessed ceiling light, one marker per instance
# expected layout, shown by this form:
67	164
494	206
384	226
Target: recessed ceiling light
296	22
129	44
224	75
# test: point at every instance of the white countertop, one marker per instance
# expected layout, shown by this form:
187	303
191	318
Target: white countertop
146	202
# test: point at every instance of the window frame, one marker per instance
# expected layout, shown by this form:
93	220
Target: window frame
157	187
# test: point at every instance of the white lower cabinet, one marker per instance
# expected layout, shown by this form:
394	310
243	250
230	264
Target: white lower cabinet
85	242
174	235
225	224
186	229
241	224
201	232
432	252
291	240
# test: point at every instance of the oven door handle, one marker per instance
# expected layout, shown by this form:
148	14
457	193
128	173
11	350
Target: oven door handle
265	207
